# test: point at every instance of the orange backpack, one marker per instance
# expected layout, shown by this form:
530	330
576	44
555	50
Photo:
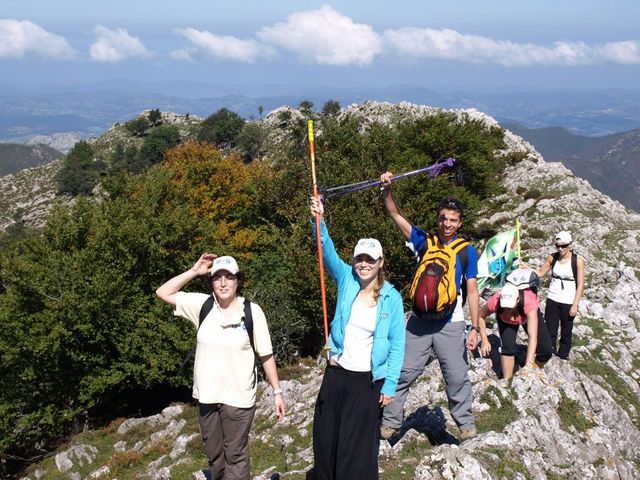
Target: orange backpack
434	293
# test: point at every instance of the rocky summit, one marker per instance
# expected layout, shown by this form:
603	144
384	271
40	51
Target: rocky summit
575	419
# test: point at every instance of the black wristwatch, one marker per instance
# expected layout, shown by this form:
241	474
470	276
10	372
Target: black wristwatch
477	329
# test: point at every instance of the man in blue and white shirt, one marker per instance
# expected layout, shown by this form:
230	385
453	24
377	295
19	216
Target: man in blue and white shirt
444	339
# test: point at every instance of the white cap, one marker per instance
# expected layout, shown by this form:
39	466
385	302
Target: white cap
225	263
563	237
368	246
509	296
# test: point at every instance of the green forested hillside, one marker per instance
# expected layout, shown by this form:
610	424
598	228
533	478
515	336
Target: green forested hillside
84	339
15	156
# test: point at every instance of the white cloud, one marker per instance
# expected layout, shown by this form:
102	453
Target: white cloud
116	45
18	38
325	37
220	47
445	44
621	52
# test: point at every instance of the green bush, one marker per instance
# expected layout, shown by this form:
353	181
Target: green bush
138	126
251	141
155	117
155	144
331	108
222	128
533	193
80	170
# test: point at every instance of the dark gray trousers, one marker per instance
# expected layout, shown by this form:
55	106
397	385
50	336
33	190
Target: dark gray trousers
225	434
447	343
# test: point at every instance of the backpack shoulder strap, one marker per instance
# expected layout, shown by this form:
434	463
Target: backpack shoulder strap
574	266
248	323
205	309
463	257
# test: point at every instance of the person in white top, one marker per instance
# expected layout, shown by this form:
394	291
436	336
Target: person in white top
563	297
224	376
366	348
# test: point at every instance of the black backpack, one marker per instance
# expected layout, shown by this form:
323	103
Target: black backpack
207	306
524	279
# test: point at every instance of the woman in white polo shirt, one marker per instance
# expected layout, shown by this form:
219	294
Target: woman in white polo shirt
224	376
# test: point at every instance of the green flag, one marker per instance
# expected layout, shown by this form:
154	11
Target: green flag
497	260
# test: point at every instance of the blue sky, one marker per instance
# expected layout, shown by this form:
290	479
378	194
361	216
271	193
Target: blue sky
464	44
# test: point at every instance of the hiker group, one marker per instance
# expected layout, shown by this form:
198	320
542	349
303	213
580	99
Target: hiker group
375	354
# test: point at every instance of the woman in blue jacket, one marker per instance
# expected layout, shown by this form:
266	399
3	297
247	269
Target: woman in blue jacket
366	342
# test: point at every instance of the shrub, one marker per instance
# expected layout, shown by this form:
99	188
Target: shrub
222	128
80	171
152	150
251	140
138	126
306	107
331	108
155	117
533	193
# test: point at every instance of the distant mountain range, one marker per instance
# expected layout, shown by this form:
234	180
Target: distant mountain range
15	157
90	110
611	163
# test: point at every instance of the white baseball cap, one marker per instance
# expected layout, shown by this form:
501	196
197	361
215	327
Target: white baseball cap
368	246
509	296
563	237
225	263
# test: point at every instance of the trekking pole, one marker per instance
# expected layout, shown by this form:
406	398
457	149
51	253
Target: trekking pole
433	171
316	195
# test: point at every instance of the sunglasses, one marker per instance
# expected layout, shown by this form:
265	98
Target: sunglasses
366	259
562	246
229	277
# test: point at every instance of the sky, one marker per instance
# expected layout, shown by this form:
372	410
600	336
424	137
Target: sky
258	46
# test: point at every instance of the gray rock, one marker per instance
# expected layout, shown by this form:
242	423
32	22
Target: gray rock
83	454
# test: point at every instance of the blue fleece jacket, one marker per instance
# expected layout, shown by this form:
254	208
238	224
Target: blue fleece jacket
387	352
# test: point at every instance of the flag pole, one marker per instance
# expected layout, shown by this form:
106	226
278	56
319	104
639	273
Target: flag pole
518	237
316	195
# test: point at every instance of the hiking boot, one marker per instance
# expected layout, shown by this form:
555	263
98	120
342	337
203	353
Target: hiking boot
468	434
387	432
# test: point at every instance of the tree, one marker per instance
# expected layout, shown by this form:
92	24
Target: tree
251	140
260	111
138	126
331	108
306	107
155	117
79	172
222	128
152	150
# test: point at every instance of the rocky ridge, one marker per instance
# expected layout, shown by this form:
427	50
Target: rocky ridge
27	196
576	420
63	142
